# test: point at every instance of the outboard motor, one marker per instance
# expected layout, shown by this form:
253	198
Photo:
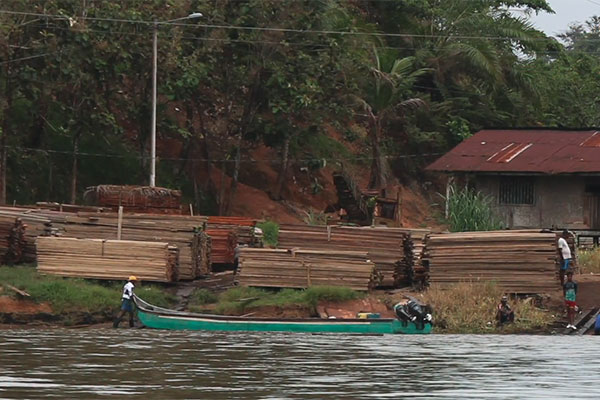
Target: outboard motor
413	311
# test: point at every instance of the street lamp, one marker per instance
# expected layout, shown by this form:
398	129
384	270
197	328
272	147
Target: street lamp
154	68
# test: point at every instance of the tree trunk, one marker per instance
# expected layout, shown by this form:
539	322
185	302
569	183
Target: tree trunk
378	179
236	174
279	186
221	198
74	169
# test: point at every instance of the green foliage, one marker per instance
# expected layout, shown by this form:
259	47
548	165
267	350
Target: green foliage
315	218
469	210
589	261
203	296
67	294
270	230
241	300
471	308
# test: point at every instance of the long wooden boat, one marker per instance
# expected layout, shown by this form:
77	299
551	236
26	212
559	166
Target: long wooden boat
162	318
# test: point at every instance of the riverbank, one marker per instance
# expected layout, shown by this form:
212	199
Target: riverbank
66	302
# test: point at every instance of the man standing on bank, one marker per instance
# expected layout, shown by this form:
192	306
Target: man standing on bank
565	255
570	292
126	302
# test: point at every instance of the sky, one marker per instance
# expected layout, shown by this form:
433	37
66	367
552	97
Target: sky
567	12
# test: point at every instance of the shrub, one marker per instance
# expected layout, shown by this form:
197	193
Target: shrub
470	210
589	260
270	232
202	297
471	308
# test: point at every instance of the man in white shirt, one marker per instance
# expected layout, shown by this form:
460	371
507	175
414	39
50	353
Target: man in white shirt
565	254
126	302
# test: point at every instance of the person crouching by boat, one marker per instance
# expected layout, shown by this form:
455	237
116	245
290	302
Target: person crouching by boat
504	314
126	302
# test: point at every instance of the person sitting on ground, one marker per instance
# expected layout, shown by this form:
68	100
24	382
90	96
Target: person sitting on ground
565	255
504	314
570	292
126	302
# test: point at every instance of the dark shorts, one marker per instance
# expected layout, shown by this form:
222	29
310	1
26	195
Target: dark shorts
565	264
127	305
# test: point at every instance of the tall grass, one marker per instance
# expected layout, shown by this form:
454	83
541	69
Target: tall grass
242	299
589	261
75	295
471	308
470	210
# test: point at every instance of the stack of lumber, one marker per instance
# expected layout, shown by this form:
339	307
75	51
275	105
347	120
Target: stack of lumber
36	223
144	199
201	251
518	262
223	243
107	259
177	230
242	227
304	268
384	246
12	239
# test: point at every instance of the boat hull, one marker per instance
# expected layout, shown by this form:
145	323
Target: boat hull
199	322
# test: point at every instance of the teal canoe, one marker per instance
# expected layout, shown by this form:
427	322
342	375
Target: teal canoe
162	318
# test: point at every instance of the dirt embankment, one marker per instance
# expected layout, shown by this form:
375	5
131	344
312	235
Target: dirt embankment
23	312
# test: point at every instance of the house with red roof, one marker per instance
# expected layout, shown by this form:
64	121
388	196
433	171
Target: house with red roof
536	178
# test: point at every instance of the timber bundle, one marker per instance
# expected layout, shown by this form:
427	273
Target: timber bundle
305	268
107	259
242	227
223	244
393	250
135	198
518	262
12	239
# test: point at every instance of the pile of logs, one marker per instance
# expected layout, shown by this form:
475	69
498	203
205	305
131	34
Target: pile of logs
242	227
391	249
144	199
201	251
305	268
518	262
223	244
107	259
12	239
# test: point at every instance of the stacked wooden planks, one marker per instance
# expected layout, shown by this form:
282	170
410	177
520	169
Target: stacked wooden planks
305	268
386	247
176	230
107	259
223	243
135	198
519	262
12	239
242	227
201	251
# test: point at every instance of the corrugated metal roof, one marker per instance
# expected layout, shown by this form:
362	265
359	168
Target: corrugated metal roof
543	151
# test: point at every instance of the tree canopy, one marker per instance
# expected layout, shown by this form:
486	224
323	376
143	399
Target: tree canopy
416	76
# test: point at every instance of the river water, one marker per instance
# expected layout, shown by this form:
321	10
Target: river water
147	364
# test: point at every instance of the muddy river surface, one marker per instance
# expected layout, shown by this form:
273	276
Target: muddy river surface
146	364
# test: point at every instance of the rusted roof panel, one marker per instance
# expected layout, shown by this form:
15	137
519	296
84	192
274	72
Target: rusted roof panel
525	150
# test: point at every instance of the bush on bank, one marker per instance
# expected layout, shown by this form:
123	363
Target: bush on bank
75	295
471	308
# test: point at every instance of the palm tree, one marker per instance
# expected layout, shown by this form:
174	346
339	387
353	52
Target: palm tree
386	95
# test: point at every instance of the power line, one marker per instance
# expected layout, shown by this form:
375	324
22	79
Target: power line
212	160
271	29
28	58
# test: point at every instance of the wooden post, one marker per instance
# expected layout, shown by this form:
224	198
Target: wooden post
120	223
448	186
191	210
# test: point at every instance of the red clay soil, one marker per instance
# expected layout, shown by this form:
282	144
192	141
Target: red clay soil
350	309
9	305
